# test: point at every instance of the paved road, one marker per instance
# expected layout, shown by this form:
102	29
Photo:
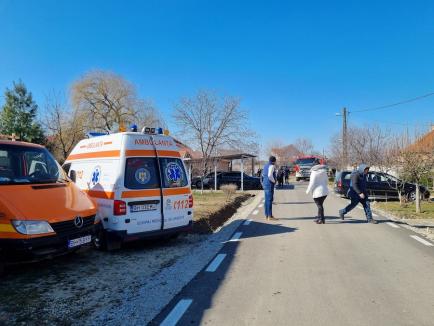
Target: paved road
294	272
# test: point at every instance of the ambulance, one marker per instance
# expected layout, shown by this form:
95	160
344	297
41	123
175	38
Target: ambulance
139	182
42	213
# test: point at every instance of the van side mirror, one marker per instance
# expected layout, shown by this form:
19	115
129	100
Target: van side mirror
73	175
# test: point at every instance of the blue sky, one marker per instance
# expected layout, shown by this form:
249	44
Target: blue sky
294	64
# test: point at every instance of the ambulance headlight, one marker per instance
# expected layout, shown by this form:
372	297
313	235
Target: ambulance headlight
32	227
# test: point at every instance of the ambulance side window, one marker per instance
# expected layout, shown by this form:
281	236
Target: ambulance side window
173	173
141	173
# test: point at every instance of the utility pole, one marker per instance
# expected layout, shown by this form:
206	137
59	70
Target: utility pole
344	138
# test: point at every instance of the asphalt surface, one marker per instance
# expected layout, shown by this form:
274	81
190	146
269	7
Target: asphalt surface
295	272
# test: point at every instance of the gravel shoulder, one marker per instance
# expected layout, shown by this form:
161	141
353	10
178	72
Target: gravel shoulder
94	288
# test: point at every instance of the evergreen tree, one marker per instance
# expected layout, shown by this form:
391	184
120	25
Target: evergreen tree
19	115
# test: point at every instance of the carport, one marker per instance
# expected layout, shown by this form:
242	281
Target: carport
231	158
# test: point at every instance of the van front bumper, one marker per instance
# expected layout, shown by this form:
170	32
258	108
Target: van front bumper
34	249
123	236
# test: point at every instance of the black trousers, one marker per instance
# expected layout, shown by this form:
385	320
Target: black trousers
319	203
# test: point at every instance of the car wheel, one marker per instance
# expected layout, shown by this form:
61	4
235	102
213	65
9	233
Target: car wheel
412	196
199	184
297	179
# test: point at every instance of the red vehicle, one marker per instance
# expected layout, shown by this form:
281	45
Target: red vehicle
303	165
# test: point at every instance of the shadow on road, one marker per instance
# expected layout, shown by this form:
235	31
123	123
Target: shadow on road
297	203
205	285
285	187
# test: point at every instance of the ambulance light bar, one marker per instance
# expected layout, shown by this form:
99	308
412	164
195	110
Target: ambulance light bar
154	131
96	134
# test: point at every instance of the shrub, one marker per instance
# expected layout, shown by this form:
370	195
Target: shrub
229	190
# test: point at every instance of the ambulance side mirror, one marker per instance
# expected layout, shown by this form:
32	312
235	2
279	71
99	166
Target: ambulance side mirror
73	175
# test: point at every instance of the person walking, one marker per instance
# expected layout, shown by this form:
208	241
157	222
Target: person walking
268	180
318	186
358	193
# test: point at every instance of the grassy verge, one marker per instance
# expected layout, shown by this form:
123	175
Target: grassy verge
408	210
212	209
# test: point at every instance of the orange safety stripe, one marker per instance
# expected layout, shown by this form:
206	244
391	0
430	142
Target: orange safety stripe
169	153
100	194
141	193
137	152
176	191
94	155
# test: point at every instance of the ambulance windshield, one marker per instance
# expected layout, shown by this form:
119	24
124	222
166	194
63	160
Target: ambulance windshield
28	165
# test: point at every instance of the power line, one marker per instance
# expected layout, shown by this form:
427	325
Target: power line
394	104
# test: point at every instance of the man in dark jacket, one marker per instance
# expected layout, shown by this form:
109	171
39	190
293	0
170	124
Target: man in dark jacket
358	193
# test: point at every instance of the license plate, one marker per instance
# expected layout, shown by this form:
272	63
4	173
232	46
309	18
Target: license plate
145	207
79	241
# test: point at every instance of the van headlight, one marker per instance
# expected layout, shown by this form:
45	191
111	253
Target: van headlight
32	227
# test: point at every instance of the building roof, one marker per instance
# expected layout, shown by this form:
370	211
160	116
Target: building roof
424	143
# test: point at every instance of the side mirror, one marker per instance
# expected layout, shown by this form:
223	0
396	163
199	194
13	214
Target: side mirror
73	175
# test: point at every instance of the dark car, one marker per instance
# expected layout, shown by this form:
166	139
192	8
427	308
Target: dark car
224	178
197	183
380	186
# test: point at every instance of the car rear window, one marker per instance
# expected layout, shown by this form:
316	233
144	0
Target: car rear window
173	173
141	173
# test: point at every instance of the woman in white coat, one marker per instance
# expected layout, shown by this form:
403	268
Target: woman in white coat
318	186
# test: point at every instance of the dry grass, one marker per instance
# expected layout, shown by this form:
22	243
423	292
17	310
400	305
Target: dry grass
408	210
209	202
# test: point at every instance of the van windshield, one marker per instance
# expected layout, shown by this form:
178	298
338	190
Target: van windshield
28	165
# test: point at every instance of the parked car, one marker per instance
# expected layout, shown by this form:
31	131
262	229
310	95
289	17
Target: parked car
380	186
224	178
196	181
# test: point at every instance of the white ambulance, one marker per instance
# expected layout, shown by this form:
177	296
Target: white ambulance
139	182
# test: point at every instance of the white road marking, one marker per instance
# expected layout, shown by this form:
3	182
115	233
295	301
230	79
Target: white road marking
236	237
393	225
255	212
215	263
261	205
375	215
426	243
247	222
175	315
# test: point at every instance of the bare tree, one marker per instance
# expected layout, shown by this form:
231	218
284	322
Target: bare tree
211	123
65	126
110	101
304	145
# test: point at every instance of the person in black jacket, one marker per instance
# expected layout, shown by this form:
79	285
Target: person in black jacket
358	193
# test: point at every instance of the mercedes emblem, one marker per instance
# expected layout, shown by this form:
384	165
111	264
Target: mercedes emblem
78	221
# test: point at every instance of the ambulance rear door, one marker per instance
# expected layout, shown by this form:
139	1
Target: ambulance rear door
141	185
177	200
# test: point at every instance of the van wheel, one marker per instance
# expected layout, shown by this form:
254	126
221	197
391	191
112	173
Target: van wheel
297	179
100	241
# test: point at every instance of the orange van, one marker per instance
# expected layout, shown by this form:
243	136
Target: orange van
42	212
